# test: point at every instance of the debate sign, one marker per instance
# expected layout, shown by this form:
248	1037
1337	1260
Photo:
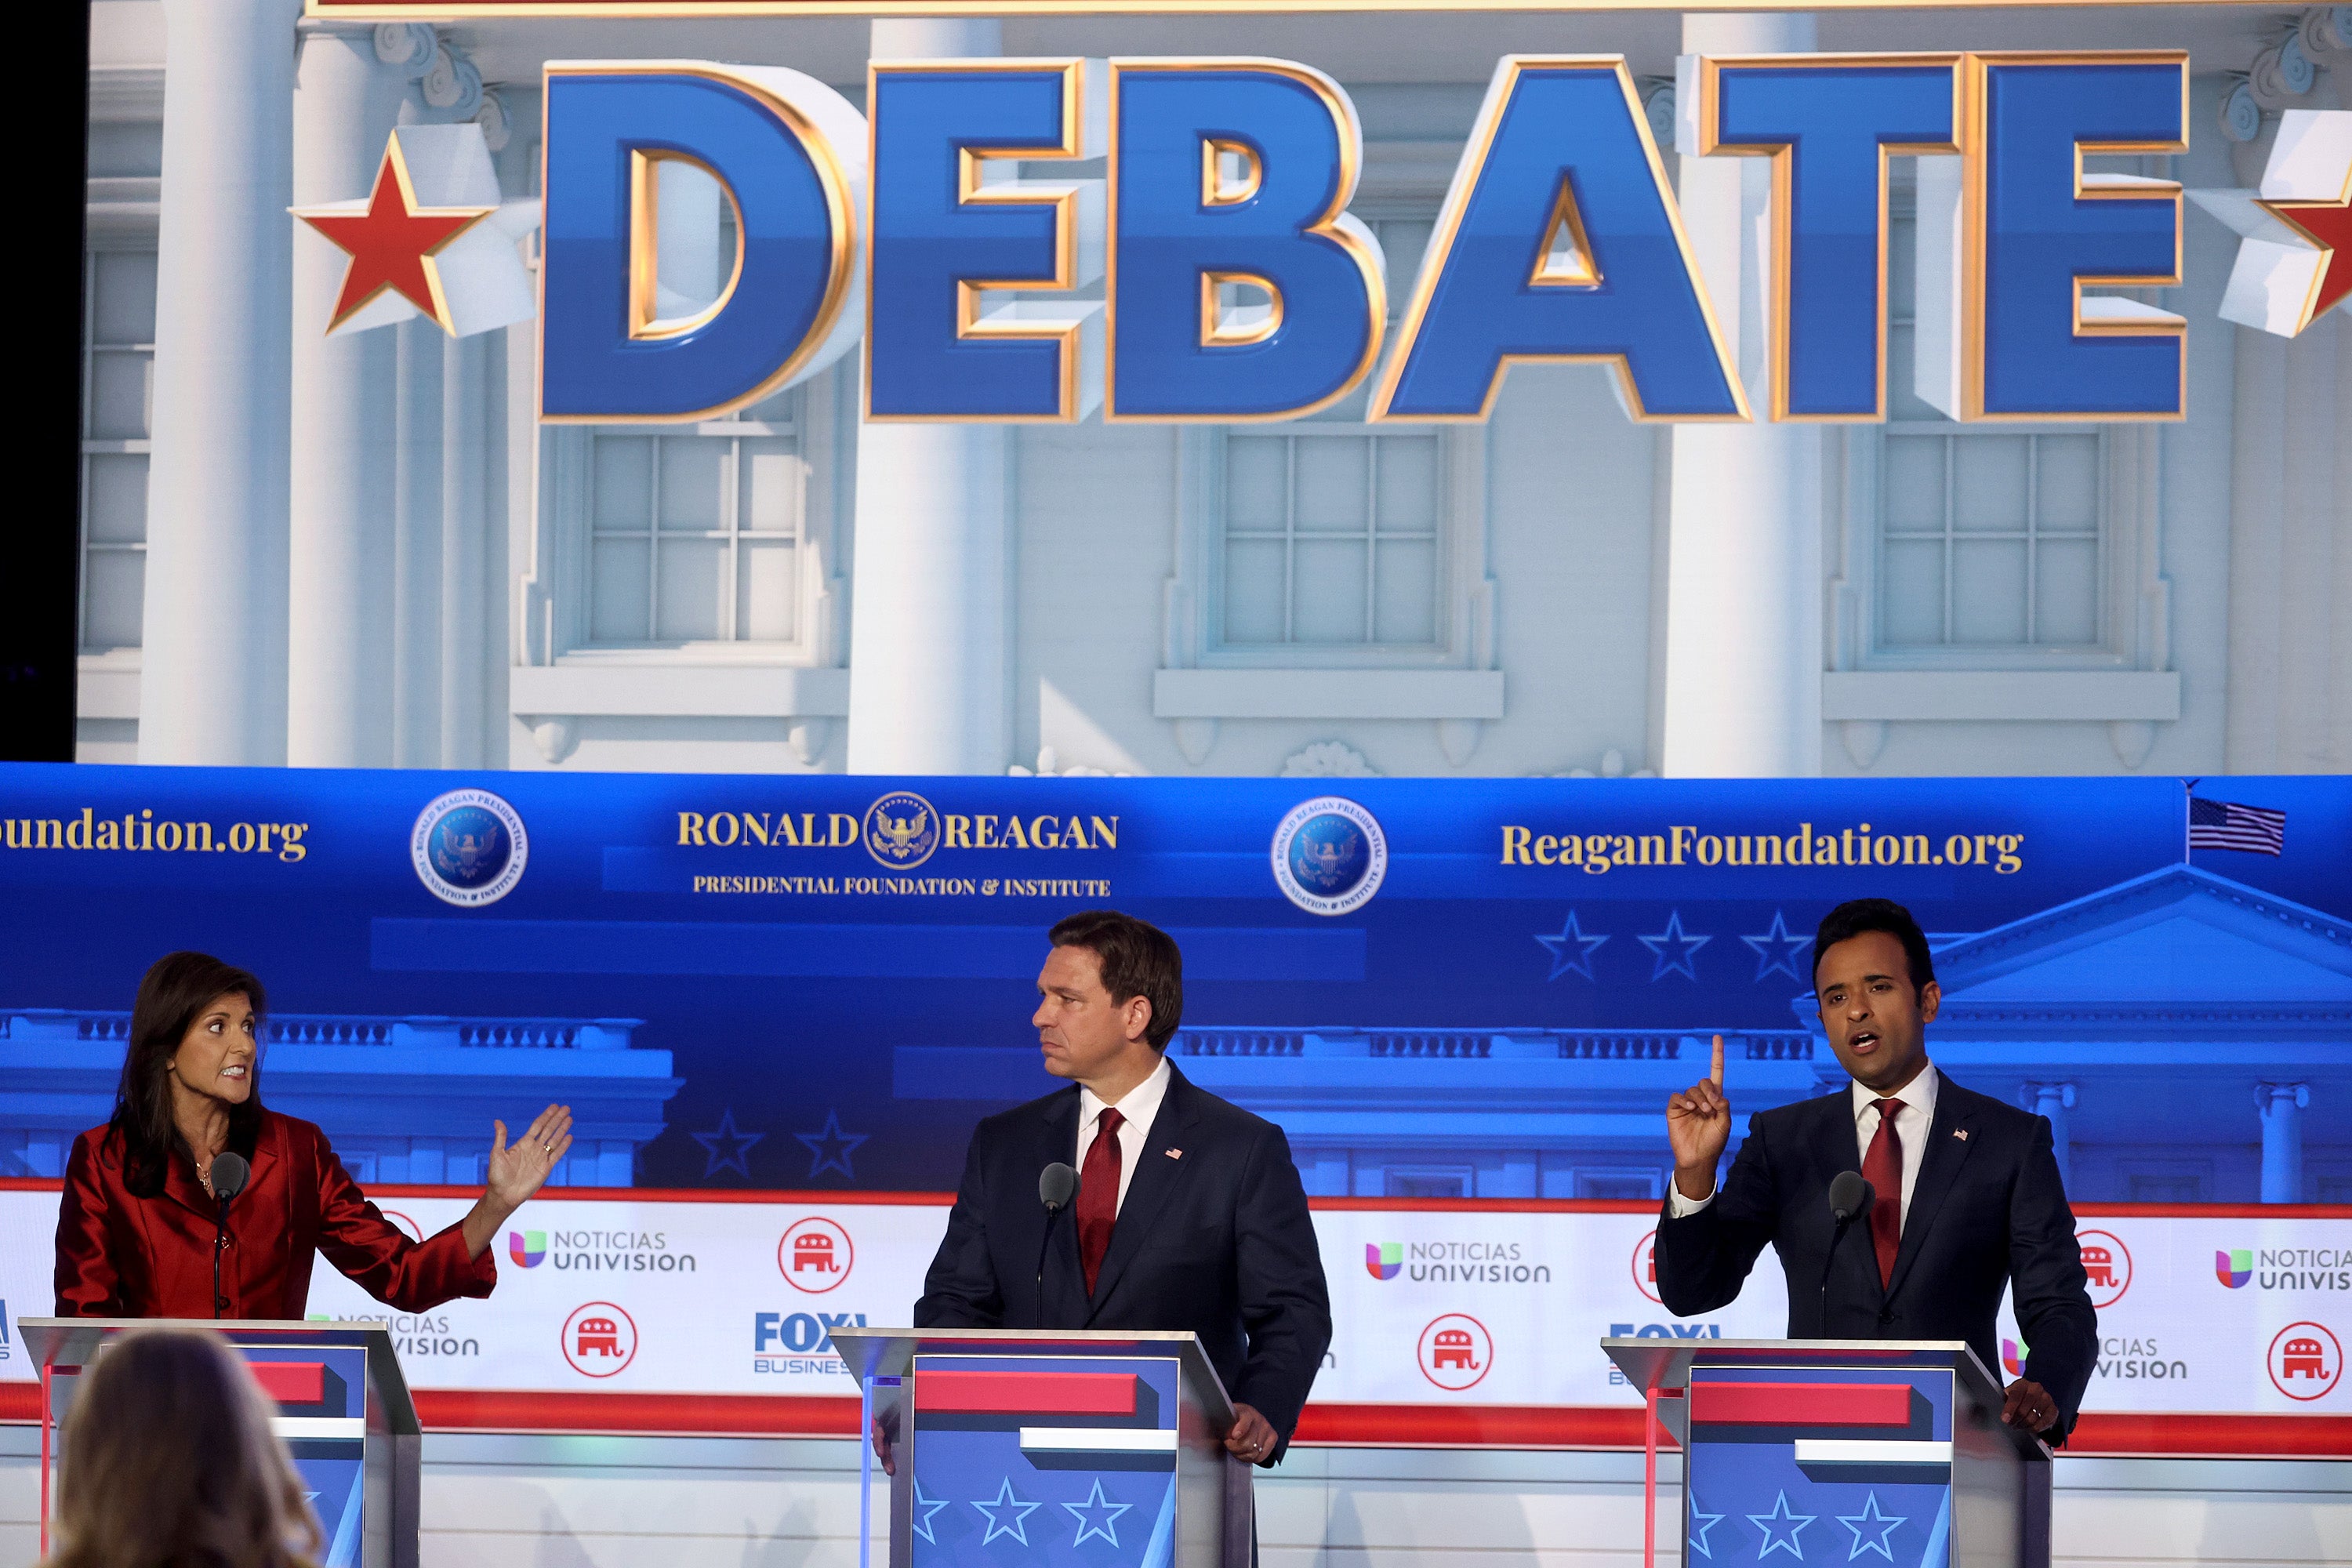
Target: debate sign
1221	235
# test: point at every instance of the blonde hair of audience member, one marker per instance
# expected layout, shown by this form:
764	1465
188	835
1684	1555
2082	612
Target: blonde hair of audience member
170	1462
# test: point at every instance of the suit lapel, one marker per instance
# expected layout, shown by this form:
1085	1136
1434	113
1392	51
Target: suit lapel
1156	1176
1939	1169
1062	1295
1856	1269
179	1185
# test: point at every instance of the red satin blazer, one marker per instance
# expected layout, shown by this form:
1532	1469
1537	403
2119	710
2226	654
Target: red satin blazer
121	1256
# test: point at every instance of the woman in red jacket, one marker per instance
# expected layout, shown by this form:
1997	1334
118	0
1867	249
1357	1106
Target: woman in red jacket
135	1234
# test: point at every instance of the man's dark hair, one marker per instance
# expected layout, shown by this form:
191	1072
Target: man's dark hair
1138	960
1856	916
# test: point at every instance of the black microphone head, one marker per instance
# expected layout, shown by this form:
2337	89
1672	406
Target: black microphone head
1056	1184
1851	1196
229	1173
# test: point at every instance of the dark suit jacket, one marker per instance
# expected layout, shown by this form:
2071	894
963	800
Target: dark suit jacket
122	1256
1217	1240
1988	1209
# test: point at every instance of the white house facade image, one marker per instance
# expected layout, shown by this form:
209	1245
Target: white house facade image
366	551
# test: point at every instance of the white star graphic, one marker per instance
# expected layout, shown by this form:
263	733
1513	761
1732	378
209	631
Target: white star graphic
1769	1522
1698	1530
1778	949
1571	949
1106	1527
1018	1527
2282	272
930	1508
1881	1525
1672	949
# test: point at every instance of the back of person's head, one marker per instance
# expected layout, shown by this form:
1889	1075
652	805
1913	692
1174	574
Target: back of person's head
1855	916
1138	959
170	1462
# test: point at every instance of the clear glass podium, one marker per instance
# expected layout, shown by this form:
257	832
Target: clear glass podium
343	1411
1037	1446
1887	1450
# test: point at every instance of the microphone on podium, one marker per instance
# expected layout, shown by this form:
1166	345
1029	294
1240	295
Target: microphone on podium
1056	1184
229	1173
1851	1197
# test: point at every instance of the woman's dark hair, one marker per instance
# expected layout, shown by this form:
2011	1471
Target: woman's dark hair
1856	916
178	987
1138	960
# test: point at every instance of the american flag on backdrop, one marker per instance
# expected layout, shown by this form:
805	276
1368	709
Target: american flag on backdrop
2223	825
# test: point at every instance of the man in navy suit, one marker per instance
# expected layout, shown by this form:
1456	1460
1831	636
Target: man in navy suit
1189	1212
1968	1196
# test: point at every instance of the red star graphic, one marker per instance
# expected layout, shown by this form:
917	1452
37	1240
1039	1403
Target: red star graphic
2328	226
393	244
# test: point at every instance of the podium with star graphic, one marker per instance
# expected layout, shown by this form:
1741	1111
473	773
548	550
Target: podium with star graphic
343	1410
1049	1449
1844	1451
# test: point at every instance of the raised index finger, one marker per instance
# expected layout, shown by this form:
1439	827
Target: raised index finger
1714	1070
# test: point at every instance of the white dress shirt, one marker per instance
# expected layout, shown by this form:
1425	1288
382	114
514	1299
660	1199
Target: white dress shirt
1141	1106
1911	1125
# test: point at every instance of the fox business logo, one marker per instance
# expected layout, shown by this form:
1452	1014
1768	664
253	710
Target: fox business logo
787	1344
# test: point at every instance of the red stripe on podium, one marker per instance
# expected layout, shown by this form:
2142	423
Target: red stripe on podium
945	1393
1331	1425
291	1382
1801	1403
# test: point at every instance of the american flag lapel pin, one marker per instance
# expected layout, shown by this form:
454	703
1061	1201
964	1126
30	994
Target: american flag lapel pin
1175	1153
1961	1134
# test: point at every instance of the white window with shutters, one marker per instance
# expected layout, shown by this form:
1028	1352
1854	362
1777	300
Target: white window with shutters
695	535
1326	545
695	544
1990	546
118	360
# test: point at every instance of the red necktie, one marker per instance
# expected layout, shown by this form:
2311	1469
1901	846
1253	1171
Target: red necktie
1098	1195
1882	1168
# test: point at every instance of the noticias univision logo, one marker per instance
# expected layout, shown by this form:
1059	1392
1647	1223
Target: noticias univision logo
527	1247
2235	1267
1383	1260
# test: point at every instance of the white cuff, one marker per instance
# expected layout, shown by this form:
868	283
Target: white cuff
1681	1207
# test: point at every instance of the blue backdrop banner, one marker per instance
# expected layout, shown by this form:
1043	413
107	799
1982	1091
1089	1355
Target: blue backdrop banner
1444	989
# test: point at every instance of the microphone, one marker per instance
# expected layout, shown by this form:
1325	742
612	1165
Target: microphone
1851	1197
229	1173
1056	1184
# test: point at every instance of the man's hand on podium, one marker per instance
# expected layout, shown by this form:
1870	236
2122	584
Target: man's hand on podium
1698	1125
2027	1406
882	1449
1251	1437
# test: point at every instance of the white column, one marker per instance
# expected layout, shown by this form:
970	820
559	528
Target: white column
1743	682
465	654
2282	1106
2053	1100
929	642
416	545
2258	476
340	610
212	678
